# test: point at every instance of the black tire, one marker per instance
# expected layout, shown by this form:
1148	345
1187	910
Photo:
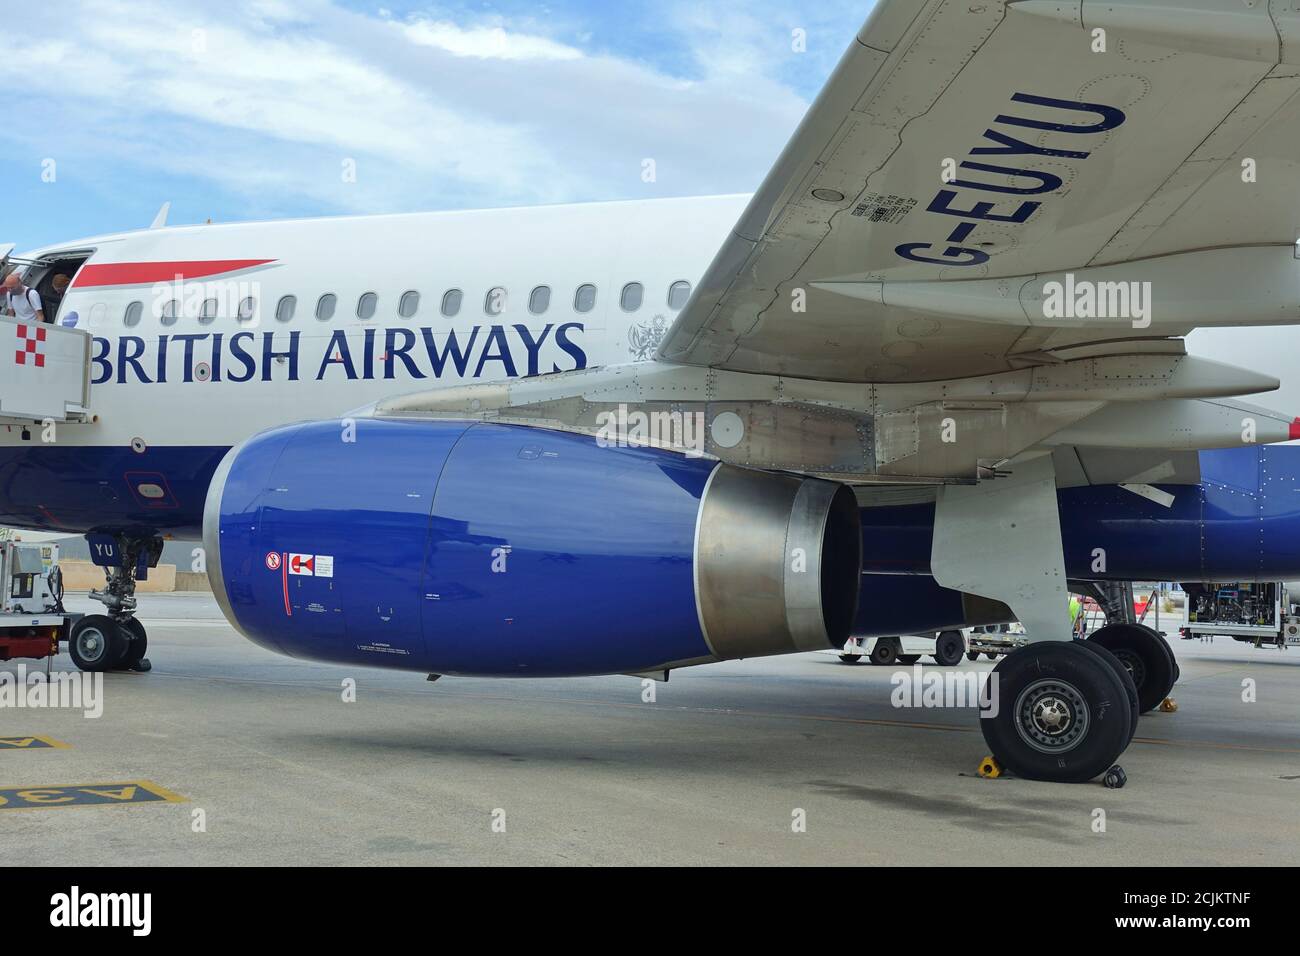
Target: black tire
1173	659
1125	679
885	652
1062	713
850	658
907	660
97	643
137	646
972	655
1146	656
991	657
949	646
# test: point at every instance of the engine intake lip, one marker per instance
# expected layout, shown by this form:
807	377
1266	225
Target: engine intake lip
777	563
212	535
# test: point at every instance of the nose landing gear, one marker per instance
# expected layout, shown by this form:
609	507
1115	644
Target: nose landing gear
116	640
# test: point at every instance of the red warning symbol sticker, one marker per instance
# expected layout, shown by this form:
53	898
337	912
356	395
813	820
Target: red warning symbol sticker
302	564
273	560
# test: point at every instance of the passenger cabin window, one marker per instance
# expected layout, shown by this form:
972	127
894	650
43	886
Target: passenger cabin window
678	293
451	302
495	303
633	294
584	300
409	304
168	312
285	308
247	310
540	300
133	313
208	312
325	306
366	306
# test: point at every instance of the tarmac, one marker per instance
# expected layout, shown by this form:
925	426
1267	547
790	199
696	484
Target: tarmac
227	754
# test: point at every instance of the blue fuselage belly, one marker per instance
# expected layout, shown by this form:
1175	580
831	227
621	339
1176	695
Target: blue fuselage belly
1241	522
83	488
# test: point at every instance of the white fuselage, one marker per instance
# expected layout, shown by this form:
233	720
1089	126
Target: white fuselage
210	376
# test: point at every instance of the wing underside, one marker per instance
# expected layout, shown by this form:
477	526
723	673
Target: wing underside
962	151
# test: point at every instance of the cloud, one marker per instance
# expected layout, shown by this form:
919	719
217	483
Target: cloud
486	42
264	105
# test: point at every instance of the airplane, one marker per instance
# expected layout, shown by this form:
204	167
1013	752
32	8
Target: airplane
932	374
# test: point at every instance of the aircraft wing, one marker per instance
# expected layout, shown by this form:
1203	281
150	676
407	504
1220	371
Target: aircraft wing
964	153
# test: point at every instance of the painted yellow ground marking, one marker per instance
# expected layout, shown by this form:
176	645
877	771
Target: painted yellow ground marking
35	742
85	795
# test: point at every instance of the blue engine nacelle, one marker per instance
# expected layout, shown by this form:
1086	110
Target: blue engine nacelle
503	550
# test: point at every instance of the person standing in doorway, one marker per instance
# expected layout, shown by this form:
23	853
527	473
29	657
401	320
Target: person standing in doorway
21	302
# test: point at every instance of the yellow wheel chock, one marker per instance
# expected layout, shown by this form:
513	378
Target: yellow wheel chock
1168	706
990	769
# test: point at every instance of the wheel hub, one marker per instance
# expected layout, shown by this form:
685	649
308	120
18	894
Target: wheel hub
1133	664
1052	716
91	644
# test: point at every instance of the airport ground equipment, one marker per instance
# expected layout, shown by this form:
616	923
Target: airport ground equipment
946	648
993	641
1256	613
32	619
52	388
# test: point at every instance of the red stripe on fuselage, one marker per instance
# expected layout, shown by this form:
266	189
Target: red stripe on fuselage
143	273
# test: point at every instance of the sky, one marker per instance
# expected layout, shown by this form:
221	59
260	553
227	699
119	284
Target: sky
267	109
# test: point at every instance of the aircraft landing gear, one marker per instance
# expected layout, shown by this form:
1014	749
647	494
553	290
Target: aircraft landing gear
1061	713
1145	655
116	640
1125	678
97	643
134	659
1056	710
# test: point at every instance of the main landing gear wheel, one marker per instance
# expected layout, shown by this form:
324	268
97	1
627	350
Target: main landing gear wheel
907	660
949	647
1145	655
1125	678
885	652
137	646
1062	713
1168	647
97	643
